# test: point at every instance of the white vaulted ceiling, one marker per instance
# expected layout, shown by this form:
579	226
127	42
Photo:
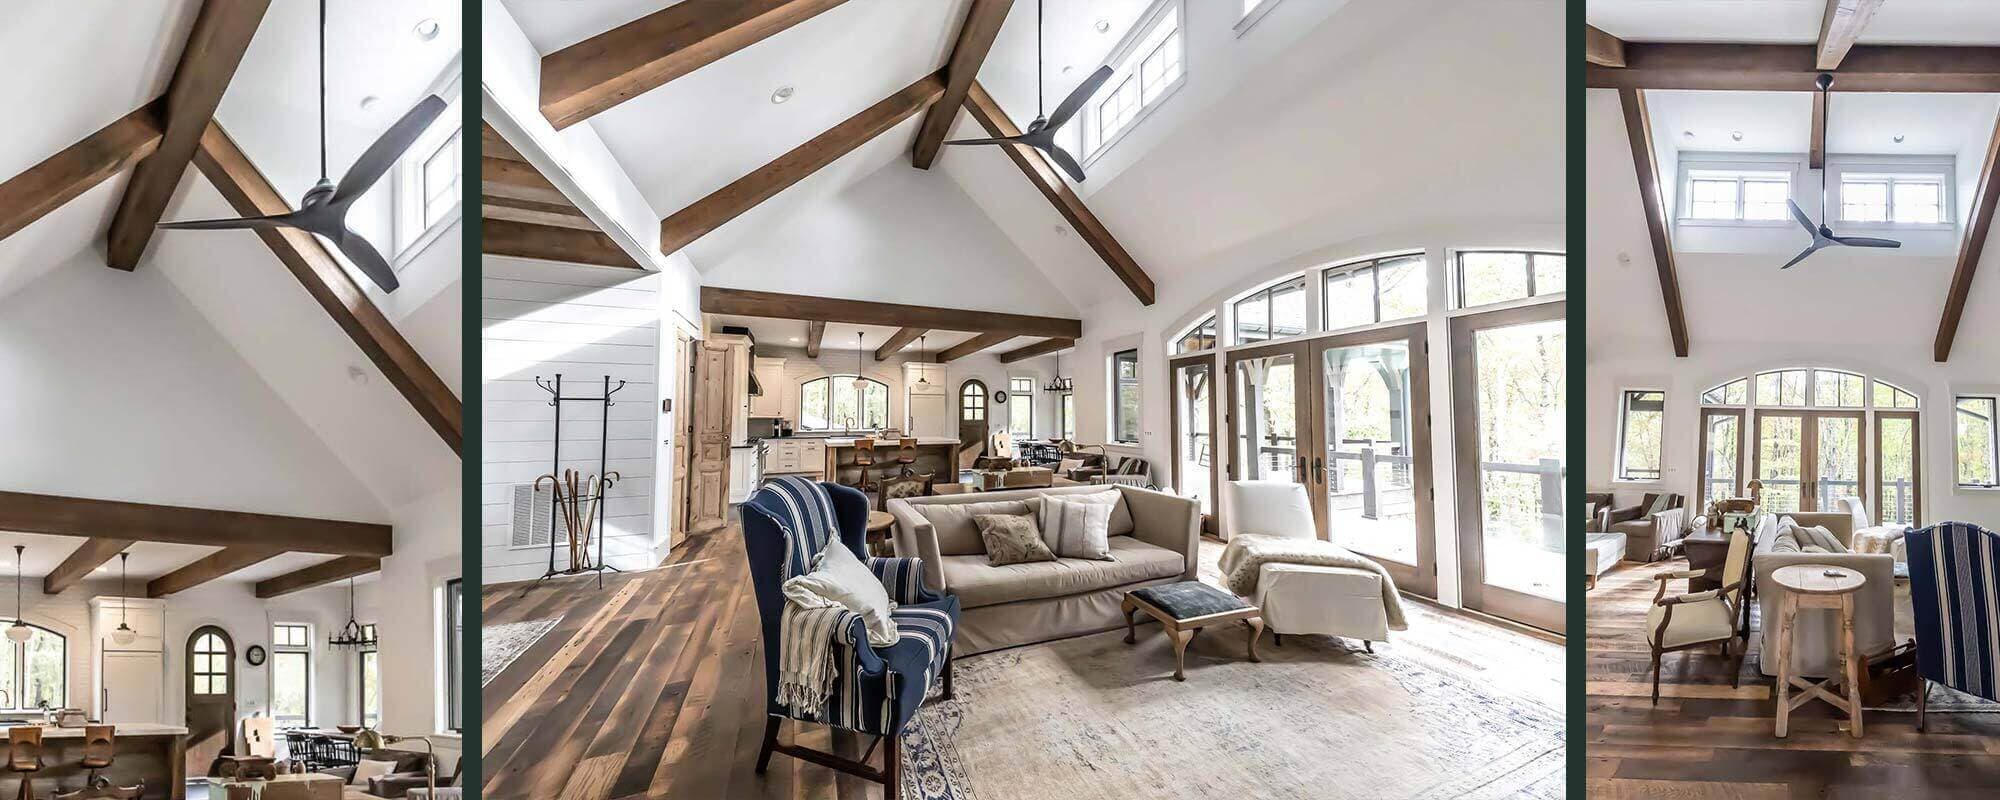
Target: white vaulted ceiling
1792	21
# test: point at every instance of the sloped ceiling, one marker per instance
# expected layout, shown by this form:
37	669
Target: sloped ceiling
1792	21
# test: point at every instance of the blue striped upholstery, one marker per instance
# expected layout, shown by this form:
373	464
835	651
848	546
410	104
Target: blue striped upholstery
877	689
1955	595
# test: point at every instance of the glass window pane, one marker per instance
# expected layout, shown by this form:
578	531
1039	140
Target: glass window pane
1712	199
1288	308
1897	491
1975	440
1549	274
1639	448
289	688
1720	462
1765	199
1919	202
1350	298
1253	318
1403	286
1864	200
1125	406
45	670
1492	277
1519	390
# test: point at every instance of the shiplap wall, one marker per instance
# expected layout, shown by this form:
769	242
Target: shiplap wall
541	318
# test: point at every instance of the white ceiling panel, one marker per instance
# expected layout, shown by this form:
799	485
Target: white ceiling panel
1858	122
1793	21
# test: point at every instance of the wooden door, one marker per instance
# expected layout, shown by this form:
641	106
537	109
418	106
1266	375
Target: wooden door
1271	435
211	698
680	420
709	499
1371	469
973	405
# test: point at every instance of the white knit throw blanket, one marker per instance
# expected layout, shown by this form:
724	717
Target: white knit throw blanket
806	631
1248	551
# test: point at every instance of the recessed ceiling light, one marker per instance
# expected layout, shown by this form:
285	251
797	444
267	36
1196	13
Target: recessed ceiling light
1060	230
1102	25
368	103
1736	136
782	94
428	29
1067	67
1899	138
1687	134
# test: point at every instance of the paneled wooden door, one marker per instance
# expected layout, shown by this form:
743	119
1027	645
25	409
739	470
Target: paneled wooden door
211	698
709	498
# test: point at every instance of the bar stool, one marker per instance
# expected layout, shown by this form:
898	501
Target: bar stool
24	757
906	455
864	457
99	749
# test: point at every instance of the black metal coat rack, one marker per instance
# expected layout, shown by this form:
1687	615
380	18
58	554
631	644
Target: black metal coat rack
605	478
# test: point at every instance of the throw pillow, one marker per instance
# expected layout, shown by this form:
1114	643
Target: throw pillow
1011	539
1076	528
952	523
370	769
840	577
1068	465
1121	515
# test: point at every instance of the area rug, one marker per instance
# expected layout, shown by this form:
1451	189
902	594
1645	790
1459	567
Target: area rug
1093	718
500	644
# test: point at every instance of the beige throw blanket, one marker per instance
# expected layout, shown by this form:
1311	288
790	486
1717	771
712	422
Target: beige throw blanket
807	630
1247	552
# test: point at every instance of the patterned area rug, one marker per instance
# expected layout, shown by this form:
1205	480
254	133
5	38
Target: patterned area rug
500	644
1094	718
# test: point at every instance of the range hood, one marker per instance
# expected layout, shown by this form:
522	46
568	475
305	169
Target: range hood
756	389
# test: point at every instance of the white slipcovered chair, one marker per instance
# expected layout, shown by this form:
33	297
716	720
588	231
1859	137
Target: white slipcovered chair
1299	598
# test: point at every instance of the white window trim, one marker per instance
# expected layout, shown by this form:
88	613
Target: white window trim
1313	322
1087	116
1945	168
312	670
1792	163
1455	289
1111	382
1956	398
1618	463
1249	19
406	199
1028	397
1373	264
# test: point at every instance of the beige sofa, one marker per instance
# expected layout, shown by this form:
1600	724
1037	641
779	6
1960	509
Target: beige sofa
1816	637
1153	542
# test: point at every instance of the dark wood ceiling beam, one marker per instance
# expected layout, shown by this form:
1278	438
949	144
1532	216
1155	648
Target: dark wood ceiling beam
1970	250
591	76
772	305
815	333
1841	27
897	341
144	522
1816	149
60	178
1639	131
86	558
208	568
317	575
517	180
493	145
1794	67
1037	349
1601	48
250	194
502	237
1044	177
975	40
215	46
972	345
725	204
534	213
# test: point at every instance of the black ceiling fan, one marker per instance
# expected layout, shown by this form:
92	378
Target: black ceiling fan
1041	134
1822	236
323	210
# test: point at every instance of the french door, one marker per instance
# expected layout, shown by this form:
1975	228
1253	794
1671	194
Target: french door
1897	454
1508	382
1807	460
1721	454
1195	461
1345	416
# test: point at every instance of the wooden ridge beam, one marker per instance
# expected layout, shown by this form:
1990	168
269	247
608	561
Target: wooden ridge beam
1041	348
1841	27
81	562
215	46
329	283
320	574
1601	48
815	333
1979	225
972	345
60	178
975	40
897	341
1816	148
208	568
1794	67
772	305
1639	131
144	522
1044	177
591	76
501	237
743	194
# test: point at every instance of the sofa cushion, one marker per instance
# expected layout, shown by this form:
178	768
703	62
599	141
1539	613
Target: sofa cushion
1121	514
977	583
956	535
1011	539
1076	528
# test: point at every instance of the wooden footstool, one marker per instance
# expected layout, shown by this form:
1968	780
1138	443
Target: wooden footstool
1183	609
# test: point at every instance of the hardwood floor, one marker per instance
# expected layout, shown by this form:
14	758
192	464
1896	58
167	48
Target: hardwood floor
1707	740
653	687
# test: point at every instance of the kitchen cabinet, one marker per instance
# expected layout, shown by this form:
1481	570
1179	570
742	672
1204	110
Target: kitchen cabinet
146	616
792	456
131	687
770	374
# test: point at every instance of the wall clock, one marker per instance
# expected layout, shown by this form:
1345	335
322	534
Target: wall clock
254	655
999	395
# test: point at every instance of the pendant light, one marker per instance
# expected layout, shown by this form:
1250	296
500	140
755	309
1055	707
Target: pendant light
124	633
922	375
19	631
351	634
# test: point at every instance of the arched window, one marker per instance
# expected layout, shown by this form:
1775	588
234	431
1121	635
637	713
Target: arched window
1200	336
1813	437
36	671
972	402
835	402
209	663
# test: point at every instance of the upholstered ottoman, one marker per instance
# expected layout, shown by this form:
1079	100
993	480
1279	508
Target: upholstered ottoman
1336	601
1602	551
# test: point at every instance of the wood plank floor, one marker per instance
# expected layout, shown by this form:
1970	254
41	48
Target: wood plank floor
1708	740
653	685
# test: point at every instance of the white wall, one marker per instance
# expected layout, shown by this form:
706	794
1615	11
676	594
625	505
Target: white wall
406	602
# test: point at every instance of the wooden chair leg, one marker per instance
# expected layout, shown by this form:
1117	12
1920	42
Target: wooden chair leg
1256	631
1656	677
1923	697
771	723
1180	640
1277	638
947	677
892	767
1368	645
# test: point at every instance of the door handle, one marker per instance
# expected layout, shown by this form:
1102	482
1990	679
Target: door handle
1304	477
1319	470
106	692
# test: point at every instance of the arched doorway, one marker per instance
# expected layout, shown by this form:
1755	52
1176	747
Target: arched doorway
211	698
971	422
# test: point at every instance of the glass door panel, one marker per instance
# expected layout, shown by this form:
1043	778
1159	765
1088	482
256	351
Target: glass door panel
1194	433
1836	459
1371	505
1721	455
1896	463
1266	409
1781	447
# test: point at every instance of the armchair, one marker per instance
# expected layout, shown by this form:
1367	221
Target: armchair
878	689
1718	616
1643	533
1953	567
1594	506
1303	598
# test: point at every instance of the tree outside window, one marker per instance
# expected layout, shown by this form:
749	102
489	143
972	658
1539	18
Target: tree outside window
1977	434
1641	416
1021	407
291	675
1125	400
832	403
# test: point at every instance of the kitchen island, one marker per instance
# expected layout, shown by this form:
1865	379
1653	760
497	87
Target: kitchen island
155	754
935	456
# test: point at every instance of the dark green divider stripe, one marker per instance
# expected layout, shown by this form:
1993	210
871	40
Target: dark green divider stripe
469	228
1578	292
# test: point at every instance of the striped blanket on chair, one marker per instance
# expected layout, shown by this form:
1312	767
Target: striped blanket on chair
810	625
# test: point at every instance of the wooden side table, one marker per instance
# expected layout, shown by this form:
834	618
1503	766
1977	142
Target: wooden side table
1706	551
1818	586
880	524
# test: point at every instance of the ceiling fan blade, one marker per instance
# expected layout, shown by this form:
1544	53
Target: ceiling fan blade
380	156
1810	249
1800	215
1001	140
363	254
1074	102
1865	241
242	223
1067	163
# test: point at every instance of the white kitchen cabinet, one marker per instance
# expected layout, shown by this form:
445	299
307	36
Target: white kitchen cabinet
795	457
148	617
771	379
131	688
743	473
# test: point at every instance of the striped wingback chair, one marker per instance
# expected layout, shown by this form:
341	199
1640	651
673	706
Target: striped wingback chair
1954	594
877	689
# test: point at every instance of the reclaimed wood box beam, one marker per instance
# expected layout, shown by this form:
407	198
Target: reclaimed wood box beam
144	522
80	167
